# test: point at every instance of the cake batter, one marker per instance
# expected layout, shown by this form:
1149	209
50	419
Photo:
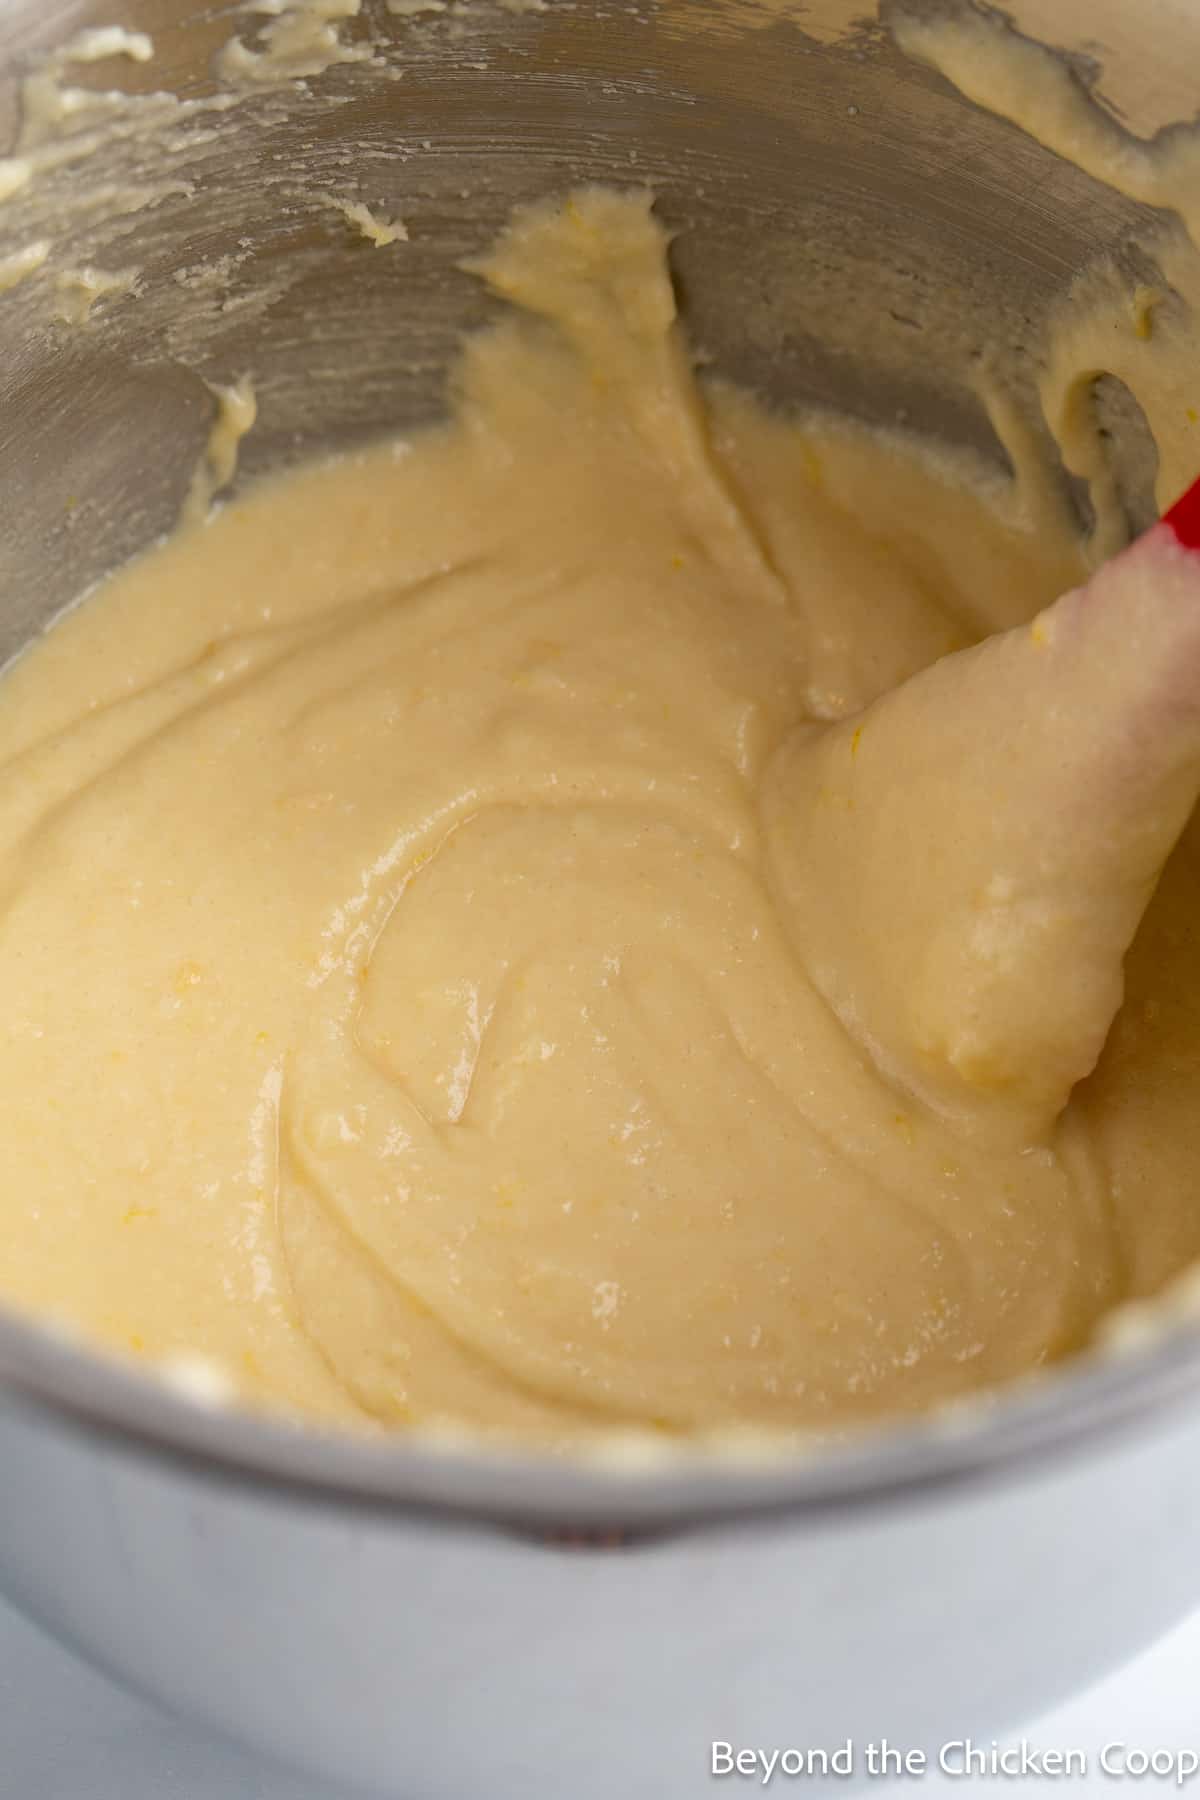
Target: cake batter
412	1003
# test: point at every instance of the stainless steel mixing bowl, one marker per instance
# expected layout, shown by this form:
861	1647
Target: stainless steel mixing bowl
410	1616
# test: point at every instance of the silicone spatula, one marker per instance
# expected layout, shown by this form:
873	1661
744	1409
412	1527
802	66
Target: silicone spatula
965	863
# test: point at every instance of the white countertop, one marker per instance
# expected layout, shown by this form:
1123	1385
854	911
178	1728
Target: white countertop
67	1733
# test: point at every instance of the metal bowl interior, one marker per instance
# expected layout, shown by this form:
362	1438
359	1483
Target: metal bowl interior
849	234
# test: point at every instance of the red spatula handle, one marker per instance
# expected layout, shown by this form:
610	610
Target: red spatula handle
1184	518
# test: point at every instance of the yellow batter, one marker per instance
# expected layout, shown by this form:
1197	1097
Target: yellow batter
491	931
404	1007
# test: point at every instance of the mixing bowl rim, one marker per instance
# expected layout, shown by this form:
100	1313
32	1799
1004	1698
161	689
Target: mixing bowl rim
1079	1407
